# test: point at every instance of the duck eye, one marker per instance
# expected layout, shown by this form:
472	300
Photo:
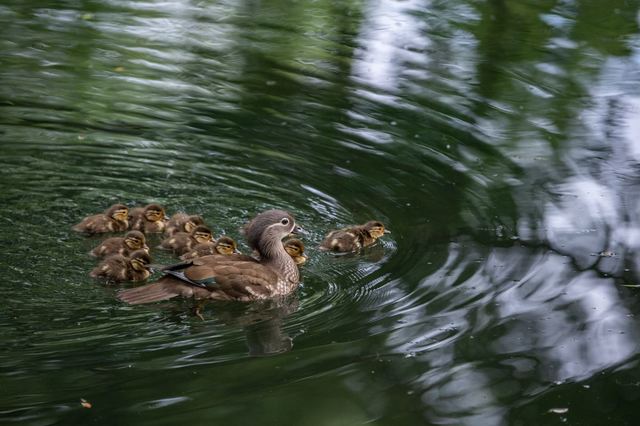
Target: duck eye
284	221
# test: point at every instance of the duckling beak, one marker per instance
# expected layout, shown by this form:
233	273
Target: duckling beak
236	251
386	231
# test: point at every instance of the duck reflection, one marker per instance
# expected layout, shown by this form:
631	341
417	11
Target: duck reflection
262	323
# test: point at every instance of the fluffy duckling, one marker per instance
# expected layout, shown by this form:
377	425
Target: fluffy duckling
119	268
353	238
132	241
295	248
182	242
114	219
182	222
148	219
223	245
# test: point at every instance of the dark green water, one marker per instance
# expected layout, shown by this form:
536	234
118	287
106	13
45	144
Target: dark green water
499	141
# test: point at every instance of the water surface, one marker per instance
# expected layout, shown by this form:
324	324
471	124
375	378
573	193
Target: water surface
499	141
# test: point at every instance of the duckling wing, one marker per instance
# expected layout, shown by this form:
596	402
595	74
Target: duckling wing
92	224
343	240
114	267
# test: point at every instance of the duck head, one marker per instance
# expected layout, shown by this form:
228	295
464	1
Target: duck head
267	229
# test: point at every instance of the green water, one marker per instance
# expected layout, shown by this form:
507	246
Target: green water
498	141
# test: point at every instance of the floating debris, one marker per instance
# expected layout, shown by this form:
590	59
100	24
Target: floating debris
563	410
85	403
604	253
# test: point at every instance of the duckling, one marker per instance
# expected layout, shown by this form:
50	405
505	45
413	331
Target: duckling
132	240
119	268
182	222
295	248
114	219
182	242
223	245
148	219
353	238
232	277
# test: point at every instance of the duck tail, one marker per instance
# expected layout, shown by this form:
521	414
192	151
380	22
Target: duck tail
149	293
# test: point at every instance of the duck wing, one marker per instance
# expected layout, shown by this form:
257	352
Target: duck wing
165	288
209	277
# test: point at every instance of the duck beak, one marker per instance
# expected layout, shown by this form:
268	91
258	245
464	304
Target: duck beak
298	231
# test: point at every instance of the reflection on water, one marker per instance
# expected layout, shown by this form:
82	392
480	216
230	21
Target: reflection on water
498	142
262	323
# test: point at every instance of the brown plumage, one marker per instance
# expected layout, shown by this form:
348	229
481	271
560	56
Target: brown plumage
181	242
182	222
148	219
223	245
295	248
119	268
114	219
353	238
132	241
232	277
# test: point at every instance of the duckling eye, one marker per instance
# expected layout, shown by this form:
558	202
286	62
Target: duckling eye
284	221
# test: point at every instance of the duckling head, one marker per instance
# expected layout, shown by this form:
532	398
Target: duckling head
140	260
202	234
295	248
119	212
226	245
375	229
193	222
135	240
154	213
